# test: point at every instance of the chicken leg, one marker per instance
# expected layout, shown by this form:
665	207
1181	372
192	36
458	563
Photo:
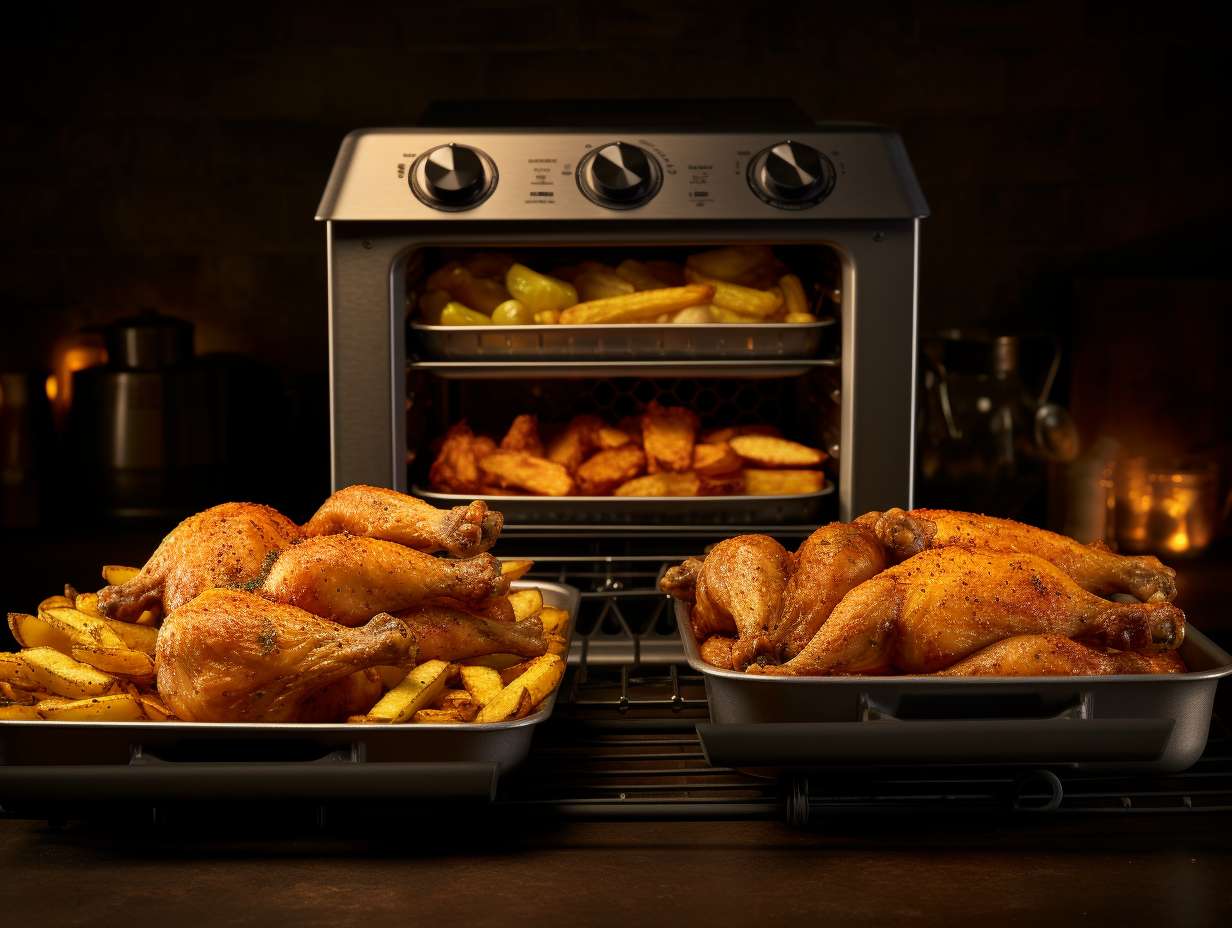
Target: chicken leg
350	578
739	589
231	656
442	633
224	545
1093	567
1058	656
946	603
392	516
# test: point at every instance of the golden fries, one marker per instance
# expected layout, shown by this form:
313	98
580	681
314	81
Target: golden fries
525	603
530	688
601	283
62	675
120	707
522	471
717	458
138	637
123	662
794	300
19	713
768	451
641	306
608	469
747	301
421	686
515	570
483	683
539	292
555	621
662	484
668	433
783	482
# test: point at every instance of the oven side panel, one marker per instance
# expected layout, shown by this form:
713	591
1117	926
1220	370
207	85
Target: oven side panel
366	354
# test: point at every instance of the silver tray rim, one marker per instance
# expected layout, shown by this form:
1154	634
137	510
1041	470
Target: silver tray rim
425	493
632	327
569	596
694	660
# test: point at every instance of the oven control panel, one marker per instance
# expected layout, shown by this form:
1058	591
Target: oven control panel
453	175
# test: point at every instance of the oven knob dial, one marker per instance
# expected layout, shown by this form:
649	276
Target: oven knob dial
453	177
619	176
791	175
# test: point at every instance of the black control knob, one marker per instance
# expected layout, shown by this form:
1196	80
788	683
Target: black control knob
791	175
619	176
453	177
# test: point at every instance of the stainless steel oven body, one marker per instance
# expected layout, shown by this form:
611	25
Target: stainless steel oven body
394	192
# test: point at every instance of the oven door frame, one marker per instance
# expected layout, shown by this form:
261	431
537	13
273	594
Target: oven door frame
880	275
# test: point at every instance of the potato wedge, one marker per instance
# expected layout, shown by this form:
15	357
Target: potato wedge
525	472
32	631
640	276
440	716
715	436
748	301
148	618
454	699
794	300
525	603
60	674
641	306
138	637
114	574
608	438
600	283
539	292
605	470
768	451
799	318
13	670
482	683
736	264
668	434
664	484
515	570
558	645
719	458
122	662
87	603
19	713
555	621
421	686
155	709
782	482
121	707
10	693
540	679
509	674
84	629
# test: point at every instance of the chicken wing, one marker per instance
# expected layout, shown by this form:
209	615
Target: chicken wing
232	656
442	633
1093	567
947	603
350	578
456	466
378	512
523	435
224	545
1058	656
739	589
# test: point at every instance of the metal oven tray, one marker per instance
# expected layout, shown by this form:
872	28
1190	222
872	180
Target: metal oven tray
712	341
614	510
106	761
1148	723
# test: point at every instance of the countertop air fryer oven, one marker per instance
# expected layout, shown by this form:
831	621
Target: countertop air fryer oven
839	203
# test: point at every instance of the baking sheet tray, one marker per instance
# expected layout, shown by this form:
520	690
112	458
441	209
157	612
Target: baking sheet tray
53	761
609	510
1155	723
664	341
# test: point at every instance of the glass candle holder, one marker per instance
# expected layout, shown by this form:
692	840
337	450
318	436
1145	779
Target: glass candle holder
1171	511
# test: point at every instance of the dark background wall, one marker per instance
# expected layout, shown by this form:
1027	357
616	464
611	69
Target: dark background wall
172	156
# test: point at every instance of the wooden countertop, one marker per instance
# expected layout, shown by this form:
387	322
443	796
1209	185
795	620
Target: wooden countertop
1117	869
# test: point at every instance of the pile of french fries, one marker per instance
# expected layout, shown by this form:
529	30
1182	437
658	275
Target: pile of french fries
742	284
660	453
77	665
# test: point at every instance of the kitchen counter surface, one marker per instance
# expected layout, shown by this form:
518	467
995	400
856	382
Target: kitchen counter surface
1107	870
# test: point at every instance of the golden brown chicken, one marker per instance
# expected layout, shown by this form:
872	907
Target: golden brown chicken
392	516
442	633
947	603
1058	656
828	564
232	656
456	467
1092	567
350	578
224	545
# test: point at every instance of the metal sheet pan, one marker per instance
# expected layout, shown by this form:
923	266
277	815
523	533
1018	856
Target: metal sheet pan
1153	723
662	341
208	760
609	510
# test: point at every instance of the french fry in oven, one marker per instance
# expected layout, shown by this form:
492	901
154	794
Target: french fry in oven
526	472
599	283
451	716
120	662
640	276
539	292
119	707
512	312
420	687
748	301
116	575
479	293
138	637
794	300
482	683
570	447
607	438
525	603
62	675
783	482
604	471
555	621
662	484
694	315
737	264
529	689
768	451
456	467
642	306
716	458
717	436
668	433
523	435
13	671
515	570
455	313
15	712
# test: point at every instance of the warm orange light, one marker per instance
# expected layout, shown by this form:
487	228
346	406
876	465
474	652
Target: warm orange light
69	360
53	387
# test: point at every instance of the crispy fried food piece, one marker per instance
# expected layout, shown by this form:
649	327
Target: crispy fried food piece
603	472
794	300
662	484
717	651
608	437
767	451
748	301
717	458
722	484
524	471
578	439
523	435
740	264
479	293
718	436
599	282
541	677
642	306
668	433
456	468
782	482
